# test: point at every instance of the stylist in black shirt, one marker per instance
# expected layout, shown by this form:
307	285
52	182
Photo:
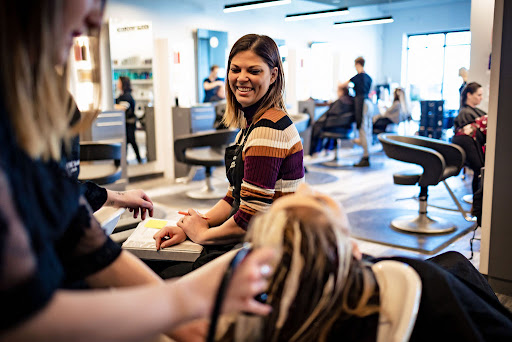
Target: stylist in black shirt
362	85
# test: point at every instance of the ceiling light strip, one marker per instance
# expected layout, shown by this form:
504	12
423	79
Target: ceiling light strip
316	15
254	4
385	20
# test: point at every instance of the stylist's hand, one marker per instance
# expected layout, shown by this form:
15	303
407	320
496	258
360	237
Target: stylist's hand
194	225
249	280
169	236
134	200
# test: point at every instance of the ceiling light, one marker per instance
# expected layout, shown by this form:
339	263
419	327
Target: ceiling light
315	15
364	22
254	4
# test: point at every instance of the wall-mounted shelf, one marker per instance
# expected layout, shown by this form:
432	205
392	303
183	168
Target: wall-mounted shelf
129	67
148	81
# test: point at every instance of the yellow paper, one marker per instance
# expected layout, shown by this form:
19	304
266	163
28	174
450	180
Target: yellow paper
158	224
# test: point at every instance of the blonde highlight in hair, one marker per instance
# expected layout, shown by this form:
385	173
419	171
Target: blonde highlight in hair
266	48
316	279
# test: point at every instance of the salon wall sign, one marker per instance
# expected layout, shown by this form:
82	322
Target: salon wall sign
133	28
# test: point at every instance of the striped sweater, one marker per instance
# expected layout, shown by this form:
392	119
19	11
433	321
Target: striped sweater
273	165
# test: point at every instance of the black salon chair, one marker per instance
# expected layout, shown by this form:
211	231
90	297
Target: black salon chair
100	162
204	149
440	160
345	132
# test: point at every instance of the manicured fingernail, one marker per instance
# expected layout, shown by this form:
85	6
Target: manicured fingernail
265	270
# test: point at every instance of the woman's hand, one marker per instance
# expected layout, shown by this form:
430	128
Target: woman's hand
194	225
169	236
250	279
134	200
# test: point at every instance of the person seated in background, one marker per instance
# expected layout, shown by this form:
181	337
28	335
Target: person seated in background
213	86
397	113
323	289
470	128
339	115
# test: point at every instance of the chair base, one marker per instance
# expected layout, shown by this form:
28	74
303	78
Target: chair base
339	163
207	193
422	224
468	198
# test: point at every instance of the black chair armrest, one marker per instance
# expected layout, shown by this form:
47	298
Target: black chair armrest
213	138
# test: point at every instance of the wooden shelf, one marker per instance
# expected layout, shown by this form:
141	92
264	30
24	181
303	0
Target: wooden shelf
148	81
128	67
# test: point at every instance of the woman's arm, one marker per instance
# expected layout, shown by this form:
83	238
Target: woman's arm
219	213
211	85
134	200
142	312
197	230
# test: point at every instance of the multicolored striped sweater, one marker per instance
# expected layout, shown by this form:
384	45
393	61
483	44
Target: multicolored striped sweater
273	165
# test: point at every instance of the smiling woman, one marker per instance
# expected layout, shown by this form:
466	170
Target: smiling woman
265	163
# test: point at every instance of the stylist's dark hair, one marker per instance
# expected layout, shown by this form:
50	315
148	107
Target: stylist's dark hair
360	61
213	67
266	49
469	88
126	85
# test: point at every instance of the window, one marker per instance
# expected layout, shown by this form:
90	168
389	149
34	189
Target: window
433	63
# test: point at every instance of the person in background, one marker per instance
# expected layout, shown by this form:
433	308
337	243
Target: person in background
213	86
470	128
397	113
265	163
463	72
362	85
135	200
49	236
340	114
324	289
125	101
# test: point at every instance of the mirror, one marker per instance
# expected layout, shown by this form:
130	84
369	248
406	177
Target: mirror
131	49
211	50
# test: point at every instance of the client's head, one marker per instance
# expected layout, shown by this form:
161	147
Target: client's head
317	279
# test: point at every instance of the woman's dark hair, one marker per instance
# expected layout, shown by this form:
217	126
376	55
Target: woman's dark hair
469	88
267	50
126	85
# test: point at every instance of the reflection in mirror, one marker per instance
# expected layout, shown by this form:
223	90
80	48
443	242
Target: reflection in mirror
212	49
131	49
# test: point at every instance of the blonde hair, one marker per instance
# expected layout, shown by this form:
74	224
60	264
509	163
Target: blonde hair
33	90
315	259
266	49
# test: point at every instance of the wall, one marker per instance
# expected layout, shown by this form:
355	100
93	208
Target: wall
435	17
177	20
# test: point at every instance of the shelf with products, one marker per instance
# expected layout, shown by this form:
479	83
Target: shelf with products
133	67
143	81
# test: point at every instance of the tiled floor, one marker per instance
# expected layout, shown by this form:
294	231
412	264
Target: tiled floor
356	189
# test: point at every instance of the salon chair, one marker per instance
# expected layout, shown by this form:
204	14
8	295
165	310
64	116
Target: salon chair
346	132
440	160
204	149
100	162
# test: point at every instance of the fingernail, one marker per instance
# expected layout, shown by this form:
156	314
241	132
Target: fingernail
265	270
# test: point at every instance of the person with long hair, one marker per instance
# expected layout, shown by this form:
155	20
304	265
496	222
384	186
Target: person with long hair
397	113
265	163
323	289
49	236
126	101
470	128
